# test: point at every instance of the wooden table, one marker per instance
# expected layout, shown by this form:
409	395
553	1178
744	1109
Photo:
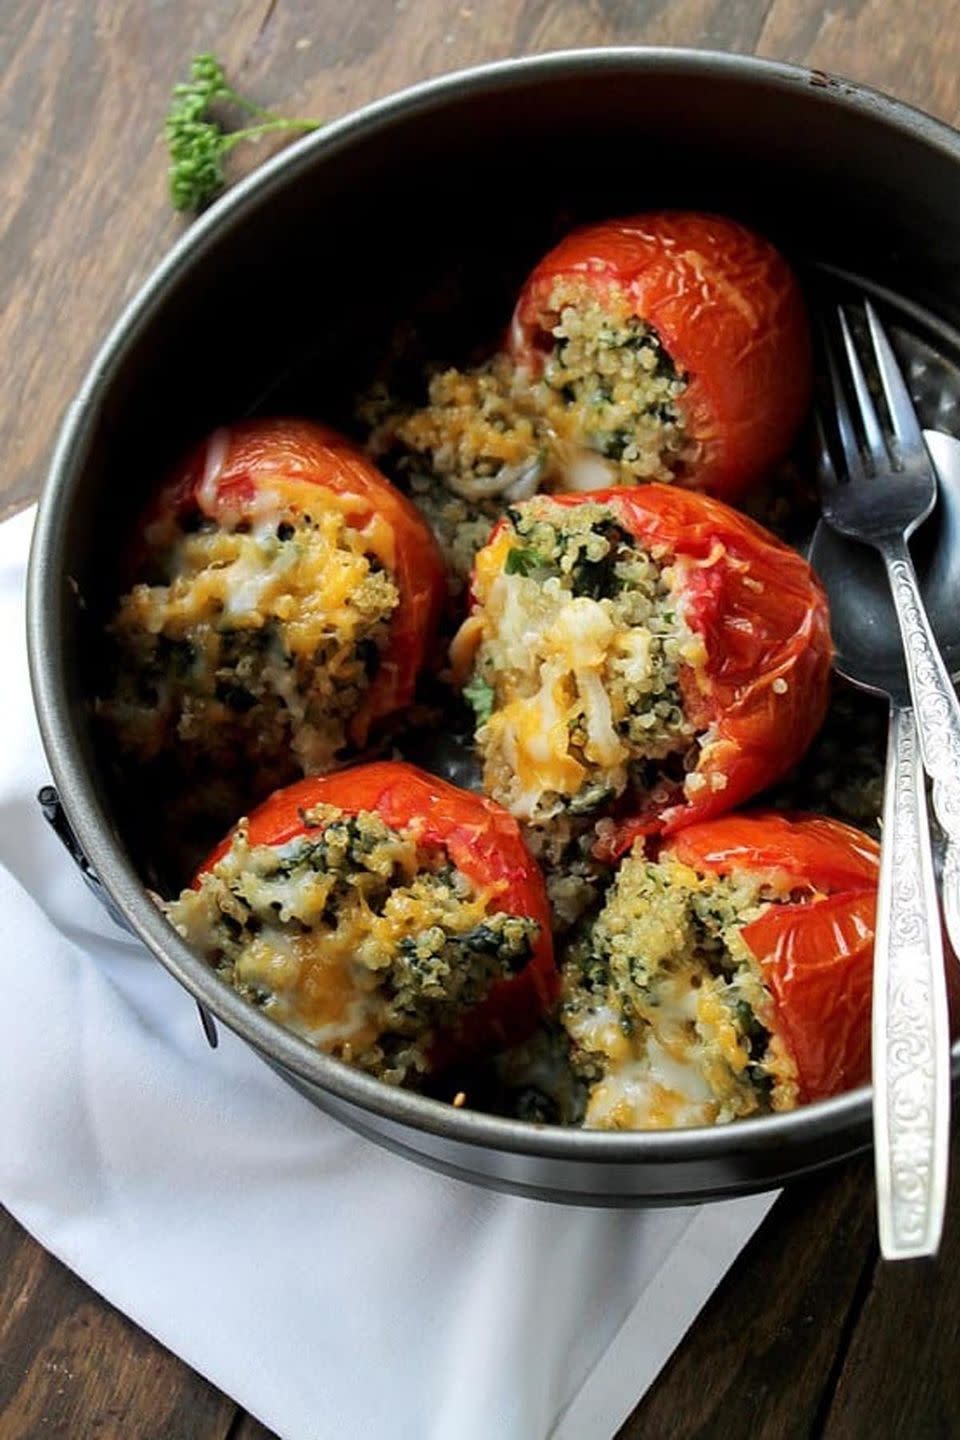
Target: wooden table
809	1335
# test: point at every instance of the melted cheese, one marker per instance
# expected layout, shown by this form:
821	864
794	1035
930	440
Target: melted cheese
582	647
315	593
217	447
658	1092
534	736
666	1005
313	989
321	974
560	643
656	1079
240	581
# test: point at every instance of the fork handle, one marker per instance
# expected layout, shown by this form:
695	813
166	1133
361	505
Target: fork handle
950	885
911	1036
937	712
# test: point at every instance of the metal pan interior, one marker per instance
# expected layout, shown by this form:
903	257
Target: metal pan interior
286	288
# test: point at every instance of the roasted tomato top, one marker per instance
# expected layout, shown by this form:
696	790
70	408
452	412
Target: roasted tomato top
246	471
728	312
480	840
815	948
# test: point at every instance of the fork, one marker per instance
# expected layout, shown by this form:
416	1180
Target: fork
889	487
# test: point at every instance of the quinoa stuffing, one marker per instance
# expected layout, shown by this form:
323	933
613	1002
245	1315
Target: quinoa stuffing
252	646
575	652
355	936
669	1017
609	386
476	445
602	411
576	880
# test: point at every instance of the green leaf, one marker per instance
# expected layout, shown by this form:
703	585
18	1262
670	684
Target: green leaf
480	695
525	560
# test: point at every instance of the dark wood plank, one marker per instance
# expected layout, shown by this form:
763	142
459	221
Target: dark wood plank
72	1366
249	1429
811	1334
901	1375
83	93
911	51
756	1362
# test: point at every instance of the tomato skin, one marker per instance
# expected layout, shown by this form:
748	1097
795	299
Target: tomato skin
816	953
223	478
764	619
818	962
814	852
730	314
482	840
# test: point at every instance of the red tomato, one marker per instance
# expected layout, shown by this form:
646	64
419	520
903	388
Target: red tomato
729	313
481	839
815	951
812	852
237	469
764	620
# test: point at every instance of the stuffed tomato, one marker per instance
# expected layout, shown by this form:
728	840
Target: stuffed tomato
286	594
728	974
674	344
644	647
670	346
393	920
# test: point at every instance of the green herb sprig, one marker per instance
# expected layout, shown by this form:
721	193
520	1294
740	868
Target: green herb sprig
198	143
479	693
526	560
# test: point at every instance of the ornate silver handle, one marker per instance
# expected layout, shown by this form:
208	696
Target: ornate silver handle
937	712
950	883
911	1037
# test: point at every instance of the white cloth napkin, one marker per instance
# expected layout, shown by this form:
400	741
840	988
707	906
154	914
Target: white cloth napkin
330	1288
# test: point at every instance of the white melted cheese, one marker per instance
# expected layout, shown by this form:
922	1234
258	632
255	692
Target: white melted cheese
565	642
656	1077
635	652
585	470
255	572
344	1007
603	746
654	1093
217	447
582	684
581	633
650	1086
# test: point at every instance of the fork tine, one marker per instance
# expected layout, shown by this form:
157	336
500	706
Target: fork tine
903	416
849	443
872	429
827	479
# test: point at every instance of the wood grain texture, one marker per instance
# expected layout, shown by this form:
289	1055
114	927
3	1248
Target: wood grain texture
901	1372
911	51
808	1331
83	90
246	1428
72	1366
757	1361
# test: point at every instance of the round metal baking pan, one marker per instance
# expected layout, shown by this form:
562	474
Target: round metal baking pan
314	259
